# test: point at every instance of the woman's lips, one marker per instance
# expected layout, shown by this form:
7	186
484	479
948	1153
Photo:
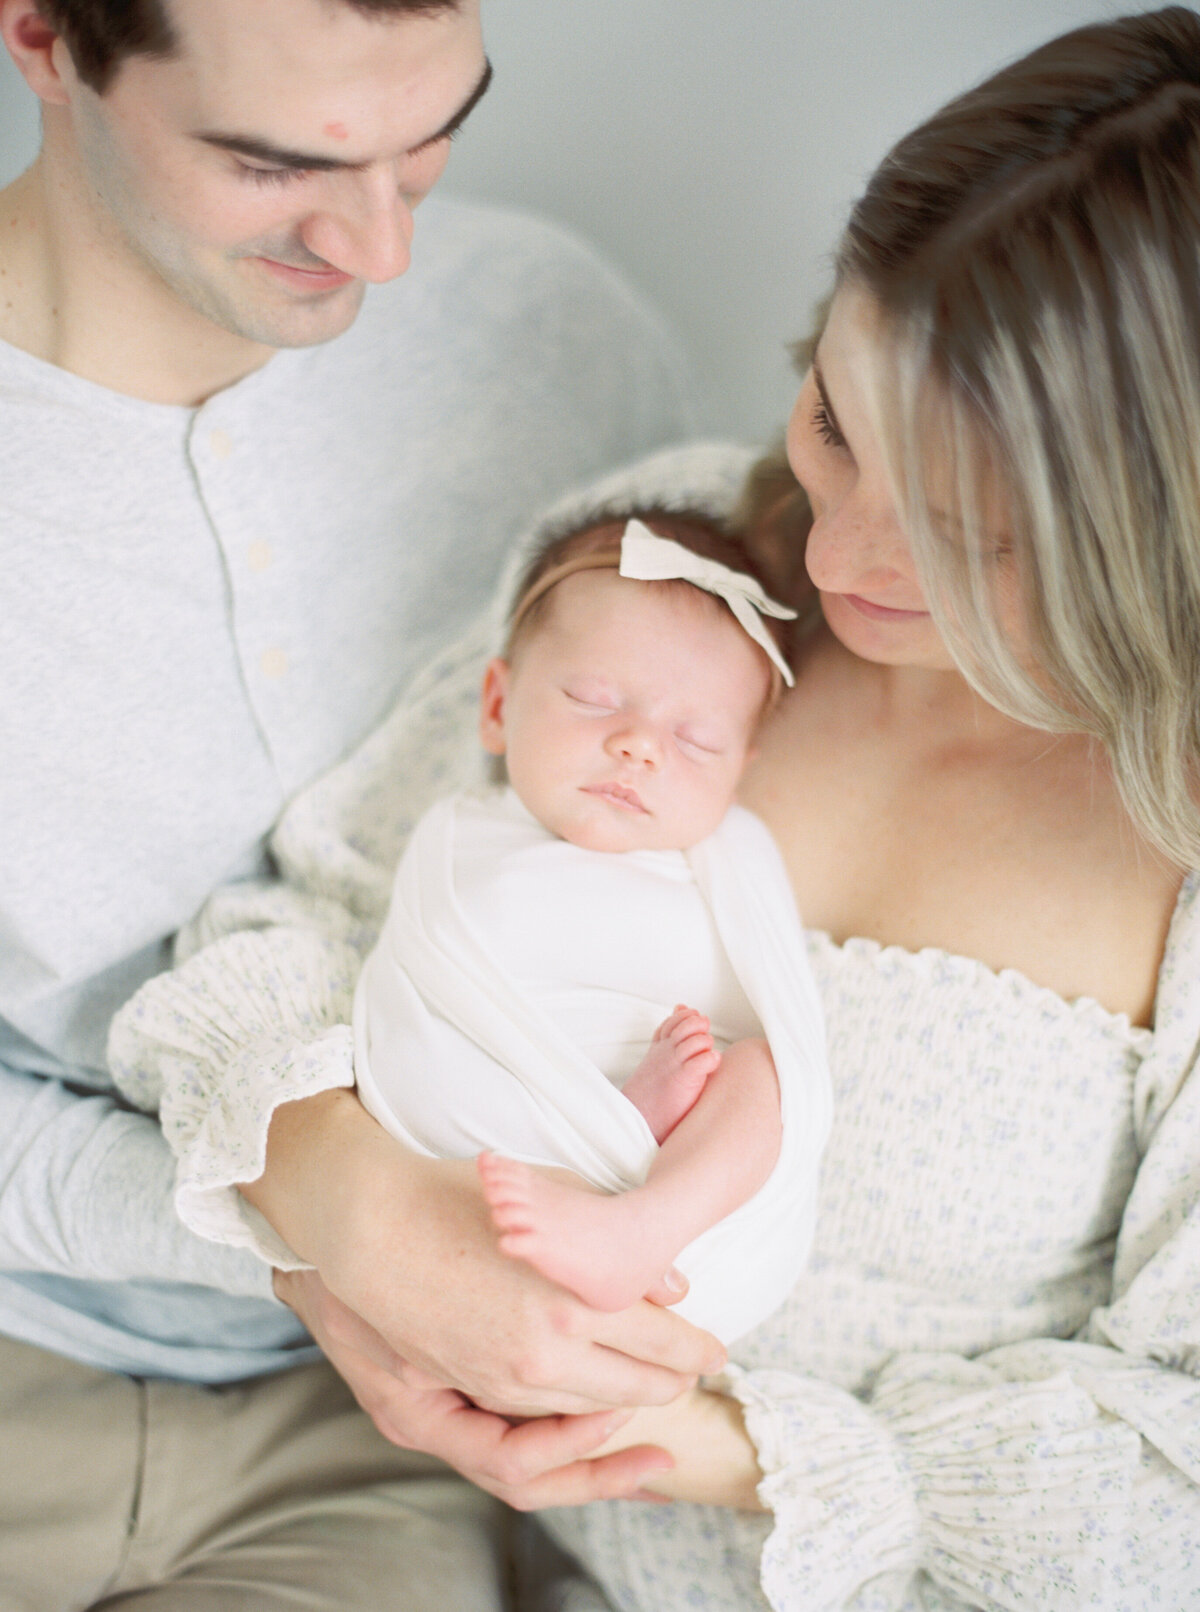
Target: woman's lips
618	795
878	612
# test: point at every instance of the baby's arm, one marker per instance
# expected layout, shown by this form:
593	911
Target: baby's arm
610	1249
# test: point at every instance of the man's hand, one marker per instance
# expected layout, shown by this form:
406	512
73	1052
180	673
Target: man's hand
528	1465
404	1246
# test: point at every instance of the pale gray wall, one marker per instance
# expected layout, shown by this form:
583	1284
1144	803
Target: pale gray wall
709	146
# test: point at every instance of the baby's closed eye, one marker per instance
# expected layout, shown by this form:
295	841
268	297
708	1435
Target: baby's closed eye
591	698
699	744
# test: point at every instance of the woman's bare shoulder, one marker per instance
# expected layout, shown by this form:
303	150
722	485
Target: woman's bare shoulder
1012	847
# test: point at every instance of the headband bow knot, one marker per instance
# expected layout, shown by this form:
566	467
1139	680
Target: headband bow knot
646	557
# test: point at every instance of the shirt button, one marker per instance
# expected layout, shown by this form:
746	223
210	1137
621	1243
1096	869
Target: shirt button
259	556
221	443
274	663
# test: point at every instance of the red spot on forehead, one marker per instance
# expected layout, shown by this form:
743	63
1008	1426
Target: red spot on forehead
337	131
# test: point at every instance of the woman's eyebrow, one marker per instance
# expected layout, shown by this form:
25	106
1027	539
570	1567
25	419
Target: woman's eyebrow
819	382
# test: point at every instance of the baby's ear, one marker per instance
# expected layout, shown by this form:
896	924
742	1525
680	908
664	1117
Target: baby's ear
491	706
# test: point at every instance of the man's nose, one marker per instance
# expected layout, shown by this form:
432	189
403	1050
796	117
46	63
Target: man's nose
366	230
636	743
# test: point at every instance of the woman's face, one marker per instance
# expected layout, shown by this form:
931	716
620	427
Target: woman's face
857	556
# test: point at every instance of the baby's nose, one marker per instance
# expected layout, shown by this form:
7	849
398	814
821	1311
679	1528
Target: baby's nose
636	744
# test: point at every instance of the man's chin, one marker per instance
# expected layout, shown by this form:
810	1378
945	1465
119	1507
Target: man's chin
302	323
269	316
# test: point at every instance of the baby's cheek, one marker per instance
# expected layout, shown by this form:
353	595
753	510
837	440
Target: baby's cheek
708	806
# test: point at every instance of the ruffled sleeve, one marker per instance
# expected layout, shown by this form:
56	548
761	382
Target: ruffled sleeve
1048	1473
254	1020
1005	1493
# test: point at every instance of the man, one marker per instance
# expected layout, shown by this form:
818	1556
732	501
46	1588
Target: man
242	502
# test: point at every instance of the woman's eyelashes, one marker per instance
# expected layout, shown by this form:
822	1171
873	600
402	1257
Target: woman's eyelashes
826	426
824	420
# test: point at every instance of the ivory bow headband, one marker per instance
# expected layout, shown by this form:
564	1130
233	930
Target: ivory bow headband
646	557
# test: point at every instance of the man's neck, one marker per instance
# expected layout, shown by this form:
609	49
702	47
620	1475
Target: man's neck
73	298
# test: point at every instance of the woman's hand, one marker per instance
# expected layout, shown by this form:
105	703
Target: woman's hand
713	1462
405	1247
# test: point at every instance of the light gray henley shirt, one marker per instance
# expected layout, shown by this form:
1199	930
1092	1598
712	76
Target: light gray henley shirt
204	608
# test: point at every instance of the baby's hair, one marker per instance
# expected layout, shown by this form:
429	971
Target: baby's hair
693	530
774	515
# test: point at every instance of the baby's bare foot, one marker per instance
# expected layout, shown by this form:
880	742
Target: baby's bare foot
586	1241
669	1079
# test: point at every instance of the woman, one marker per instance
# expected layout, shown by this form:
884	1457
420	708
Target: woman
984	786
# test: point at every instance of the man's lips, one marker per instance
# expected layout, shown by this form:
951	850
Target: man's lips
327	279
878	612
618	795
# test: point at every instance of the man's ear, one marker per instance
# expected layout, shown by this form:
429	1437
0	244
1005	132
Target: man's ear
491	706
37	49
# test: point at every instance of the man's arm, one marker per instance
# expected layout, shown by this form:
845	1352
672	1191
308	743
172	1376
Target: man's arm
433	1328
86	1192
406	1243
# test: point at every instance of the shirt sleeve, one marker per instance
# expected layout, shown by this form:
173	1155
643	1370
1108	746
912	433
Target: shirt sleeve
86	1190
1060	1472
252	1021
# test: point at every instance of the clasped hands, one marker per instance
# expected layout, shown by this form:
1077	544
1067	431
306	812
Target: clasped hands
447	1345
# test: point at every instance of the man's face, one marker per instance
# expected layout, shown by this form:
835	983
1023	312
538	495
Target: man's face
268	169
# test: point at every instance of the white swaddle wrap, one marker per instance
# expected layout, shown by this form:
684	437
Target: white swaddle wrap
517	982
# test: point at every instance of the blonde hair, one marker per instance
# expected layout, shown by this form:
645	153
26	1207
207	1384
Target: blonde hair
1034	250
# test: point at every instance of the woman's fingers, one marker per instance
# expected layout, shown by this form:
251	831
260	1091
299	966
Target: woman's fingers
544	1462
611	1477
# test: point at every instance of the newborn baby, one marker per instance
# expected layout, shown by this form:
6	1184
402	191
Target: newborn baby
595	979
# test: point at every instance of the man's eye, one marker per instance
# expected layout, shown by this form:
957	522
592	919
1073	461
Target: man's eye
270	176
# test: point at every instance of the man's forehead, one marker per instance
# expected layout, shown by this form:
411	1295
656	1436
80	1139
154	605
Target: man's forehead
319	40
313	76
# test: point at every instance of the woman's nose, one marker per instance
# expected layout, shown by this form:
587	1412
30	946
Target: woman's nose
853	550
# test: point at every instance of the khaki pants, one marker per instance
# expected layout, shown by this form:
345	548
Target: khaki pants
270	1494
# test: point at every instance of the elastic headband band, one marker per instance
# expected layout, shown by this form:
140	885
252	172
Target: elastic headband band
645	557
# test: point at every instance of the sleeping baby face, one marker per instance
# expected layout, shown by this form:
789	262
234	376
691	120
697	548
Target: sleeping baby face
627	712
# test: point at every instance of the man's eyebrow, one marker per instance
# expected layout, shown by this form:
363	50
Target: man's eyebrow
448	130
248	145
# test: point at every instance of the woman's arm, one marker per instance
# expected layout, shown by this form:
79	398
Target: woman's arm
1061	1473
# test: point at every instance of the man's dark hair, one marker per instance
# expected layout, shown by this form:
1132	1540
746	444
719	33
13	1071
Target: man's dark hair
100	34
